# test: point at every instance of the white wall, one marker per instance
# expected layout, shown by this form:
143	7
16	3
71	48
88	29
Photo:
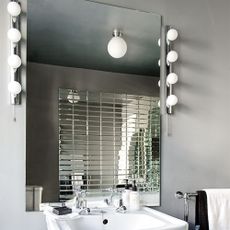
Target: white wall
197	153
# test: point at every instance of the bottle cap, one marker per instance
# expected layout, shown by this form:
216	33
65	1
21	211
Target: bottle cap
126	184
134	188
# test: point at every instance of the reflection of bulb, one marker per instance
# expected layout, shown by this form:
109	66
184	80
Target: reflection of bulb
14	61
159	42
73	97
14	9
117	47
172	78
14	87
159	62
172	35
172	56
159	83
159	104
14	35
171	100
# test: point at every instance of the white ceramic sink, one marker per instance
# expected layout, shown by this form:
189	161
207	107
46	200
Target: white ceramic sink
145	219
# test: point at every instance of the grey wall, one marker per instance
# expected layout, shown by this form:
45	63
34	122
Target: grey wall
43	82
195	156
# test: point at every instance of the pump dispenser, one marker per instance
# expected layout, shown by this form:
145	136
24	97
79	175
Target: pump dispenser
134	198
125	194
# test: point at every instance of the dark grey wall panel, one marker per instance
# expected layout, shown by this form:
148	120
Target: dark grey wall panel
43	82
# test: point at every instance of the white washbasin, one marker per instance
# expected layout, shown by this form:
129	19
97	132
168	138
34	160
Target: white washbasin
145	219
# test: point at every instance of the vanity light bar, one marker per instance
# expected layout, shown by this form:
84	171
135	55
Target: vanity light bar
14	60
172	78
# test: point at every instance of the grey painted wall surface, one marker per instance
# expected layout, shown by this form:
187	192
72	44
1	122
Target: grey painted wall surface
43	82
195	156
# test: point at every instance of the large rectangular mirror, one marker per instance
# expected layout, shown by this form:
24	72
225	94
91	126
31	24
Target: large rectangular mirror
92	119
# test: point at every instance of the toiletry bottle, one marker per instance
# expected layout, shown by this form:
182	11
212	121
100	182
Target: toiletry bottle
134	198
125	194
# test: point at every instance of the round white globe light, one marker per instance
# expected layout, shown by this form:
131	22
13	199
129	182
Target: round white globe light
14	61
14	87
172	56
14	35
117	47
172	35
159	83
73	97
172	78
159	42
14	9
171	100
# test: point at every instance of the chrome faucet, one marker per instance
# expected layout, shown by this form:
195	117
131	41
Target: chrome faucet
121	208
84	211
80	199
109	201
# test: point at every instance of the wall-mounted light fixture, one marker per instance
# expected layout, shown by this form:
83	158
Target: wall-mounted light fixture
172	78
14	60
117	46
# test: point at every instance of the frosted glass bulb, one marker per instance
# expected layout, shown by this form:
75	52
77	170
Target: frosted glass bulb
159	62
172	35
171	100
14	35
117	47
159	42
172	78
172	56
14	87
14	9
14	61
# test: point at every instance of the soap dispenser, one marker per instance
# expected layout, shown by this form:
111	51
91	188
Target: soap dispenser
125	194
134	198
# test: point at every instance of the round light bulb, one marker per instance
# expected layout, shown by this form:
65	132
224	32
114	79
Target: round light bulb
73	97
159	83
14	61
14	9
171	100
172	56
172	78
117	47
14	35
14	87
159	42
172	35
159	62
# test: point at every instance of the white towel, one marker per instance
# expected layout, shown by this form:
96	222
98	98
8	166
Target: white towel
218	208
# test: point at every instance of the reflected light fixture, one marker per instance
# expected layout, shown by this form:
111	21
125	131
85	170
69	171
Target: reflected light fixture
73	96
117	46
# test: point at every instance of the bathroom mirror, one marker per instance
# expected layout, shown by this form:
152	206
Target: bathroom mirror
67	52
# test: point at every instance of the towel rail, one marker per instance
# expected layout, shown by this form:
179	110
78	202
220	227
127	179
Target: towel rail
186	196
